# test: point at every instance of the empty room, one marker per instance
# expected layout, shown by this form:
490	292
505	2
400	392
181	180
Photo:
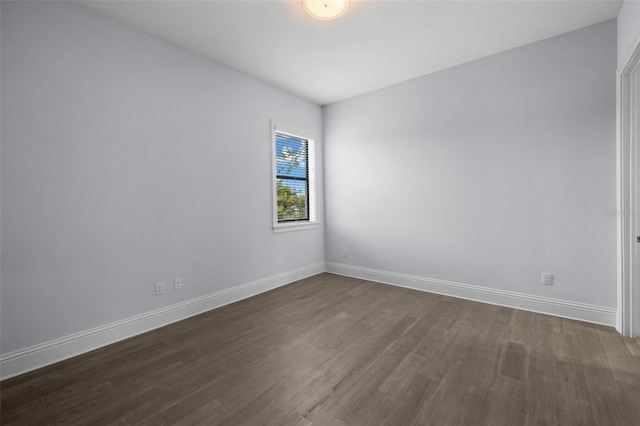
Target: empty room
320	212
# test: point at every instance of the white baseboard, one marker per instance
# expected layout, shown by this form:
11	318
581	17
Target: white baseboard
544	305
28	359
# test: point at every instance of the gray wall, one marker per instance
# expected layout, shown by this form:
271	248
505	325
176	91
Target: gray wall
628	27
127	161
488	173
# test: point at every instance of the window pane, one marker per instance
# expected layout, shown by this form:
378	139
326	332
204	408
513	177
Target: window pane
292	178
291	156
292	200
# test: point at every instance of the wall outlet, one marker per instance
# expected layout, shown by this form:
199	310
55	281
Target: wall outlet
547	279
177	284
344	252
159	289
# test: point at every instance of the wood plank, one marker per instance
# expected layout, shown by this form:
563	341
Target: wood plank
331	350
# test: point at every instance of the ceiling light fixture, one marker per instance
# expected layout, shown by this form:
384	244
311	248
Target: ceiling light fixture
325	10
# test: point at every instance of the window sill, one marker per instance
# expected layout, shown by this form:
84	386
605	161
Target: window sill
295	226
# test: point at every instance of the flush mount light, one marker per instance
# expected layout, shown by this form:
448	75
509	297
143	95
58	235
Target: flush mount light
325	10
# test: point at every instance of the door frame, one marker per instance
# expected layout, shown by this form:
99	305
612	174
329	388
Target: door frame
628	173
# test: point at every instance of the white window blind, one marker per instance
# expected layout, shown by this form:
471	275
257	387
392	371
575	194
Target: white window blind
292	177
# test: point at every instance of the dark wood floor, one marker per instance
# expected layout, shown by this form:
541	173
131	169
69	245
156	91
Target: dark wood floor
331	350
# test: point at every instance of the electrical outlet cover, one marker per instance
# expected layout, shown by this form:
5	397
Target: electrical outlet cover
159	289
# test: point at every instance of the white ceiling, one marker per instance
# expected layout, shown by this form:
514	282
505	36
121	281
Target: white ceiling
376	44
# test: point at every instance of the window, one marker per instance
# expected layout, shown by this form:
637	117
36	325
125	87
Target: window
294	180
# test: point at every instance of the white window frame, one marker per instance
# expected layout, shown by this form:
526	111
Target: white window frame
312	222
